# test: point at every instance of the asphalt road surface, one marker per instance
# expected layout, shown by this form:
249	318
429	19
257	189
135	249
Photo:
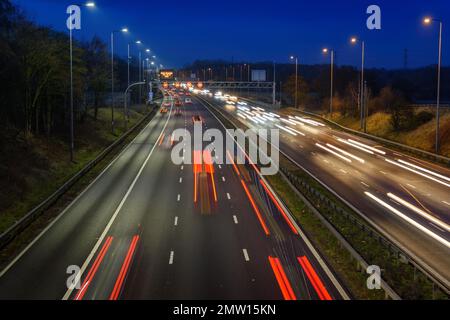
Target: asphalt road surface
407	198
147	228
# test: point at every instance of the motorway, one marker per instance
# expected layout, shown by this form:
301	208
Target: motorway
406	198
147	228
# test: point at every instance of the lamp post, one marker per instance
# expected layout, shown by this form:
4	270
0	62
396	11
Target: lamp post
138	43
429	21
72	136
296	79
123	30
331	51
354	40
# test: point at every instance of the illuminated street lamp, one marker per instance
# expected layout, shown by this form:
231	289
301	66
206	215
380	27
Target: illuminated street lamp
331	51
429	21
72	138
295	58
354	41
123	30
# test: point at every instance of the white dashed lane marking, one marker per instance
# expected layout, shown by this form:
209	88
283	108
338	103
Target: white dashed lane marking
246	257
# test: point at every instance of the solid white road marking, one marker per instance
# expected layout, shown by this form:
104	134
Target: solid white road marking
171	257
235	219
246	257
447	203
411	186
114	216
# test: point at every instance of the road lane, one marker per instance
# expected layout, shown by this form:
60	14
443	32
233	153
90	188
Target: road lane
350	179
139	234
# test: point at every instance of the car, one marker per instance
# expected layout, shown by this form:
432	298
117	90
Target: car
197	119
164	110
188	101
178	103
166	104
188	94
181	93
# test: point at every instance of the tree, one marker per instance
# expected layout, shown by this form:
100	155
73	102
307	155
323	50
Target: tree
302	90
392	101
96	57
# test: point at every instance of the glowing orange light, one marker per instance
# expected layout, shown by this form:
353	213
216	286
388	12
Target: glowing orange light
314	279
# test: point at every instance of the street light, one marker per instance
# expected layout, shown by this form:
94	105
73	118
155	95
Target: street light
331	51
123	30
72	138
296	79
429	21
354	40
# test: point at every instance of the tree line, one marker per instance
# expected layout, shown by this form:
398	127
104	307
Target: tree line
35	75
390	91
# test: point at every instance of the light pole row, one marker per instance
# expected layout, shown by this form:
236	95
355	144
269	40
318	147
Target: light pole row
363	124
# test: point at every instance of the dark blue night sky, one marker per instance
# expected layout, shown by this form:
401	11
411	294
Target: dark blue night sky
182	31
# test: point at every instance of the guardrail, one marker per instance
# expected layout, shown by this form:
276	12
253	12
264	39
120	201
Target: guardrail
361	262
391	243
8	235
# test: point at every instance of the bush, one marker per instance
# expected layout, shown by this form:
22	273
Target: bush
423	117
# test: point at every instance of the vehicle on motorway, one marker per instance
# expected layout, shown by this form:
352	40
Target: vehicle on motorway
178	103
188	94
166	104
188	101
164	110
197	119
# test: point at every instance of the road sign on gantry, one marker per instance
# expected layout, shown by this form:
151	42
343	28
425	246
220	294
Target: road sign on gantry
166	74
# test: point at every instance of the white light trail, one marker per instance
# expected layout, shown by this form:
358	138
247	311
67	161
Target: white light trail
355	146
418	172
346	153
409	220
424	170
419	211
335	153
366	146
